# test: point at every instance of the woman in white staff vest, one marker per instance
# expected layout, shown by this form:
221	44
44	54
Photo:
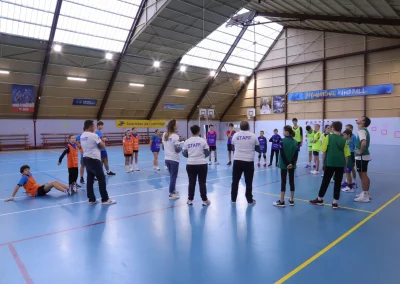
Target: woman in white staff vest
196	149
245	143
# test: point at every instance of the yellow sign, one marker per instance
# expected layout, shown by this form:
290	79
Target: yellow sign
138	123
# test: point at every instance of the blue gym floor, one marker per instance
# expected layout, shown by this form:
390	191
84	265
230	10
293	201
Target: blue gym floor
146	238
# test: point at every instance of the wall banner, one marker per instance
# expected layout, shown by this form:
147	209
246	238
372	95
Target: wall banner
84	102
279	103
23	98
344	92
129	123
266	105
174	107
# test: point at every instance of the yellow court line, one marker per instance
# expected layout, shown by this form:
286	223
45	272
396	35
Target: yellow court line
331	245
325	204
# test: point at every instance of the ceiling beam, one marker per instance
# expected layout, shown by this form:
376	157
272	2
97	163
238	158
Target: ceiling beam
342	32
121	57
47	58
164	87
248	79
329	18
212	79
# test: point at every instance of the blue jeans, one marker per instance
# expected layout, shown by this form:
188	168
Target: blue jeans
173	168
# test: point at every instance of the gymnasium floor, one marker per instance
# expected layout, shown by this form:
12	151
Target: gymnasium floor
147	238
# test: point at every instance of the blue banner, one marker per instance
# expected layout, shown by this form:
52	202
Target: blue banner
174	107
84	102
340	93
23	98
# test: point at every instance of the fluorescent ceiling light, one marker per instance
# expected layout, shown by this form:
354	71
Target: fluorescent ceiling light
77	79
212	73
109	56
183	68
241	79
57	48
4	72
136	85
156	64
183	90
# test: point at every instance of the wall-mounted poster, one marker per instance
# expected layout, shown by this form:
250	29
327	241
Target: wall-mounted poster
279	104
266	105
23	98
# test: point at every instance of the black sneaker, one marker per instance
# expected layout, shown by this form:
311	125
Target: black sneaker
82	180
229	163
253	202
270	165
335	206
110	173
279	203
291	202
317	202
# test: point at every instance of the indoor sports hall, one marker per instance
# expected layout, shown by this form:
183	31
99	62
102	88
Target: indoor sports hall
98	95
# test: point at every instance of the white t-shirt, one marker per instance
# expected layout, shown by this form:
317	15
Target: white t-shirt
195	147
90	145
245	143
169	147
362	135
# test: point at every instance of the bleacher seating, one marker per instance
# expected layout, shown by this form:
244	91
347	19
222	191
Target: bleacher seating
54	140
59	140
14	142
115	138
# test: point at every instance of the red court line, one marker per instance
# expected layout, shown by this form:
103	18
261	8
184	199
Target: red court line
115	219
20	264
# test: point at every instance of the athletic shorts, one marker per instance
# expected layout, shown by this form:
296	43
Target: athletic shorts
135	151
362	166
104	154
230	148
353	158
157	151
40	191
315	153
128	155
213	148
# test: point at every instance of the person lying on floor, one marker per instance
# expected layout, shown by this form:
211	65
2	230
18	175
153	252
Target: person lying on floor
29	183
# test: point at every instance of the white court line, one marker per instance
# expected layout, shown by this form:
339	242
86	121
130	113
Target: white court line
120	195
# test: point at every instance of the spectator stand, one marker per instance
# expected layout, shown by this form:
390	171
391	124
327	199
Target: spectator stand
14	142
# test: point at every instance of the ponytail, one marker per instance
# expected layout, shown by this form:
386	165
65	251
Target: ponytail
170	129
289	129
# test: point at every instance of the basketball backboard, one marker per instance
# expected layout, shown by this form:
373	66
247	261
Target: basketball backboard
241	19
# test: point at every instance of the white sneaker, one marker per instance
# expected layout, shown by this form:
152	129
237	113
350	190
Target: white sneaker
313	172
206	203
93	203
137	168
74	187
363	197
158	169
189	202
166	168
347	189
109	202
332	181
209	163
127	169
216	163
174	196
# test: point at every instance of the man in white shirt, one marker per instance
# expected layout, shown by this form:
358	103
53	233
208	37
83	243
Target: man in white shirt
245	143
91	145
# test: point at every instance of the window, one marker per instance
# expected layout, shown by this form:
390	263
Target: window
255	42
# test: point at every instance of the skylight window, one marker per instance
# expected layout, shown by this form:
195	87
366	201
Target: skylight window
100	24
255	42
27	18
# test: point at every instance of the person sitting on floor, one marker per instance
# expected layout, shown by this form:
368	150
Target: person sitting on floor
34	189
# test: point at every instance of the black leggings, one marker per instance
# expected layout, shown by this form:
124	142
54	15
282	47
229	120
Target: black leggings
73	175
195	171
328	174
283	179
264	155
271	158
